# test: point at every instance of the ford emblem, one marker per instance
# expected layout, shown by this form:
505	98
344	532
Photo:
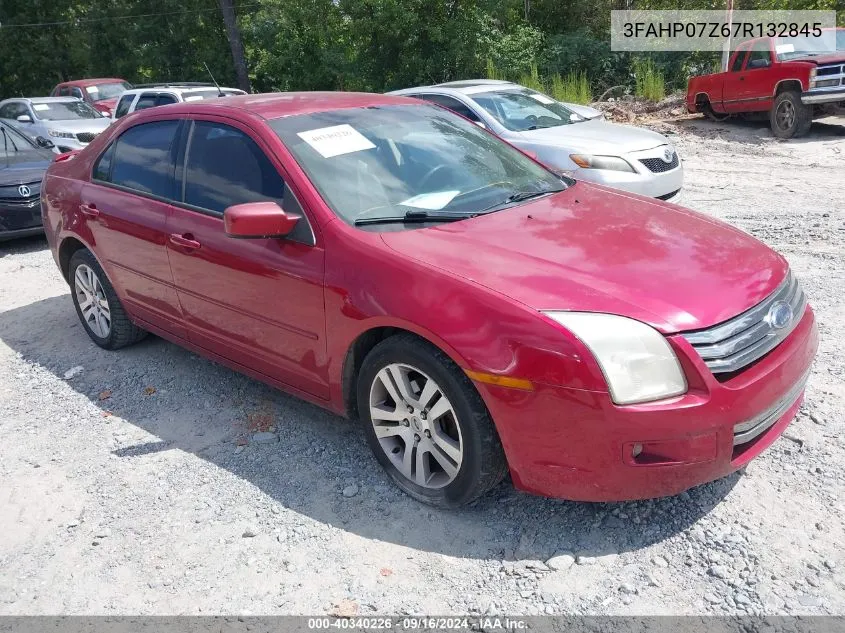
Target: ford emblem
779	315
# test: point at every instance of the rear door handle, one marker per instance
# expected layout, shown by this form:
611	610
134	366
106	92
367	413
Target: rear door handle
186	241
90	210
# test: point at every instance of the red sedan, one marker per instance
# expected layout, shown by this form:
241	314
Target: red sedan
393	262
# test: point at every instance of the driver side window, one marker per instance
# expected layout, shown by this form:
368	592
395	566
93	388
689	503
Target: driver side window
454	105
738	60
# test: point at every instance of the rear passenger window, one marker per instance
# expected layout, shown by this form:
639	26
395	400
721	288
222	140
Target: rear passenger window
123	106
146	100
224	166
143	160
165	99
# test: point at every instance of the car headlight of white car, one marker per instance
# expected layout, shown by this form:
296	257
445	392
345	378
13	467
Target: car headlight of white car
636	360
59	134
611	163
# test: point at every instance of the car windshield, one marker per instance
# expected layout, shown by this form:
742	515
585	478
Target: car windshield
211	93
107	91
13	141
64	111
520	110
388	161
792	47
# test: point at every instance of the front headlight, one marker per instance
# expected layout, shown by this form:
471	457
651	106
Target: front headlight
612	163
58	134
636	360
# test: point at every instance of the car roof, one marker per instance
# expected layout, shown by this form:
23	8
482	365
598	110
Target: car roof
42	99
280	104
175	89
467	87
91	82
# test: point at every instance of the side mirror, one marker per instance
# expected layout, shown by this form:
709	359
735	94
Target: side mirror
258	220
758	63
24	118
44	142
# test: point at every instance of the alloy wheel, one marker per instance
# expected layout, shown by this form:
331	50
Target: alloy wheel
416	425
786	115
92	301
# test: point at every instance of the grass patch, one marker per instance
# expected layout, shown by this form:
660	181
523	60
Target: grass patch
648	81
573	88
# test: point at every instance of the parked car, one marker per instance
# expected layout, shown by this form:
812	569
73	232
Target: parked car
67	121
391	261
143	97
620	156
101	93
22	167
781	76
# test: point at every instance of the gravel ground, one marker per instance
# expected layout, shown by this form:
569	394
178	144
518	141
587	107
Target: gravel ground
151	481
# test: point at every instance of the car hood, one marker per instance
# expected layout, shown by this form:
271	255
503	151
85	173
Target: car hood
79	125
594	249
18	168
828	58
595	136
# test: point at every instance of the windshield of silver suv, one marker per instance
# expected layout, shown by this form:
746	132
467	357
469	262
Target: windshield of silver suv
64	111
409	163
521	110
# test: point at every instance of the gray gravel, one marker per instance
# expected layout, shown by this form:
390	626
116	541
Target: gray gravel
148	481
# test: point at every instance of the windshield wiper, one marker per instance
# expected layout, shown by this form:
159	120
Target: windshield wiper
521	196
415	216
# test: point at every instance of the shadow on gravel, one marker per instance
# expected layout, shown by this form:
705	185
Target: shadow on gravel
23	245
758	131
204	409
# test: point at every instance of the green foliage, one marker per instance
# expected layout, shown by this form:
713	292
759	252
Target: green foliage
531	79
572	88
648	80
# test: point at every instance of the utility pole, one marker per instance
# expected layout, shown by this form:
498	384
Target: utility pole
233	33
726	51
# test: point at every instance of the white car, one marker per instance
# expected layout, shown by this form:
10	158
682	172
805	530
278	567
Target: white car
66	121
575	141
150	96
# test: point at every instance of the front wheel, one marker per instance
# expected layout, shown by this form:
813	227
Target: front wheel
426	423
789	117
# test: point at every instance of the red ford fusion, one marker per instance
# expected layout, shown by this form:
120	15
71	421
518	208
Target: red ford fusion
392	262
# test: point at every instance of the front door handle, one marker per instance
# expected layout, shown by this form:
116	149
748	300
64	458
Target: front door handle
90	210
186	241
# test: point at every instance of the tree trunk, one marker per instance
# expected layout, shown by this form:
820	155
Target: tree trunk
235	43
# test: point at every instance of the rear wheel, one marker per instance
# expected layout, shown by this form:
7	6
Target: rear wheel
97	305
426	423
789	117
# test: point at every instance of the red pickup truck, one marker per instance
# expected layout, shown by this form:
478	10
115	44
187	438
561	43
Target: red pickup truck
781	76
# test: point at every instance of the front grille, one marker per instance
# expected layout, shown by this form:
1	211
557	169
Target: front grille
10	195
735	344
658	165
746	431
85	137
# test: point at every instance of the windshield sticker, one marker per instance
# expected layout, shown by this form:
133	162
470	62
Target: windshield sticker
541	98
92	89
780	49
433	201
336	140
40	106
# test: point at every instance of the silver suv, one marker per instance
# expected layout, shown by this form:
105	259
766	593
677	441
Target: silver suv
152	95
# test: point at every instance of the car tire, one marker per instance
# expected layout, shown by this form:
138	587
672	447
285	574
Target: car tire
789	118
97	306
471	460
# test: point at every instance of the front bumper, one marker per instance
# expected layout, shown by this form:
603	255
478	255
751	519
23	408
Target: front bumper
823	95
576	444
20	219
664	185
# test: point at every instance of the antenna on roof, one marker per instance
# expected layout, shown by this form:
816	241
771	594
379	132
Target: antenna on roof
216	85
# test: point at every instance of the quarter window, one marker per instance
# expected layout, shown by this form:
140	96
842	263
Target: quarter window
146	100
165	99
143	158
103	167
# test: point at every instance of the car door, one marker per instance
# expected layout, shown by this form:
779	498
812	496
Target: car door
257	302
756	80
126	207
734	80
